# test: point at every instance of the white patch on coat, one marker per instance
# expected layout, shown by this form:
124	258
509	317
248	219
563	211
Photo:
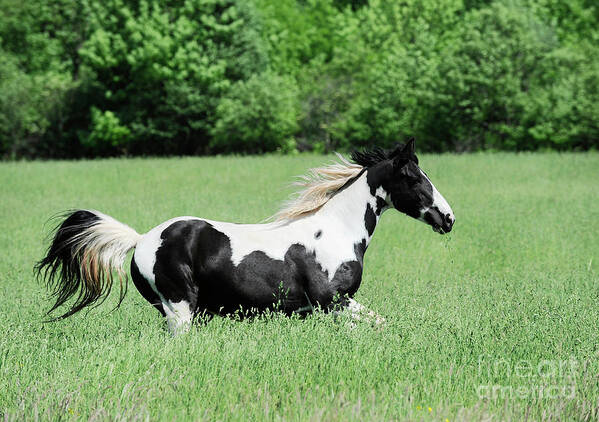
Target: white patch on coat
340	220
355	308
382	193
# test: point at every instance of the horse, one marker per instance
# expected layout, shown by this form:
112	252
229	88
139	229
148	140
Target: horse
309	256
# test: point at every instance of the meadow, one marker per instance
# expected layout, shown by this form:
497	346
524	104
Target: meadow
496	320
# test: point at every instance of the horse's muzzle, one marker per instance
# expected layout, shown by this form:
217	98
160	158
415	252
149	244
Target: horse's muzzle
441	223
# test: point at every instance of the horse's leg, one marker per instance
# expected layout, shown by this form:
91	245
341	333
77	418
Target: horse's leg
361	313
165	259
145	289
170	296
179	296
178	316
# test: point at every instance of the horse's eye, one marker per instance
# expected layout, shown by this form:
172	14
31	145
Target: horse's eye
409	176
412	180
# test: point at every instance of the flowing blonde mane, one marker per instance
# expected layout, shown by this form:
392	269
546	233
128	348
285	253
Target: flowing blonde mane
317	187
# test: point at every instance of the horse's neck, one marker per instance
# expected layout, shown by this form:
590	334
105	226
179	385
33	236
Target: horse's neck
354	209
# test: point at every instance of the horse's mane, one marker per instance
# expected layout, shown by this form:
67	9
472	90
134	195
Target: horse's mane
320	184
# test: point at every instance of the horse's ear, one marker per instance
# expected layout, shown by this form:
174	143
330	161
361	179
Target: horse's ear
409	148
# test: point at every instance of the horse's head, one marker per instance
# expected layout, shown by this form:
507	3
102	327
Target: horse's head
411	191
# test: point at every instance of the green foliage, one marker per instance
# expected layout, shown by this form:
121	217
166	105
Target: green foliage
258	115
575	20
509	84
501	79
177	77
163	70
44	35
107	133
299	32
29	103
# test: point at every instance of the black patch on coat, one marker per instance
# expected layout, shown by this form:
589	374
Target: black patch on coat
318	234
409	190
193	263
173	269
369	220
378	175
434	217
381	204
398	173
360	249
144	287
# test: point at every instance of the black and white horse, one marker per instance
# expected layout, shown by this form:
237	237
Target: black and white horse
310	256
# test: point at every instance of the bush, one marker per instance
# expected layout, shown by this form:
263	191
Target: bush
87	78
499	80
258	115
162	70
28	105
508	84
107	133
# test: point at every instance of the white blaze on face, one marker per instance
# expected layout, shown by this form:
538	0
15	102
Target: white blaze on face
439	202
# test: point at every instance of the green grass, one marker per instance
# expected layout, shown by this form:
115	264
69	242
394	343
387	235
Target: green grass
501	301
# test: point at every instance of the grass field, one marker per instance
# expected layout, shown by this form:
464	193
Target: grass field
498	319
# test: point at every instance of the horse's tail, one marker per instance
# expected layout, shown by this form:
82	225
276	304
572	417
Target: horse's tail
87	250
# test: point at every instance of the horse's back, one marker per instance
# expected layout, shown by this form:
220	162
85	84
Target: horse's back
191	259
221	267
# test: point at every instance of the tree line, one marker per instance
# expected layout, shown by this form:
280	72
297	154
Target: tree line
84	78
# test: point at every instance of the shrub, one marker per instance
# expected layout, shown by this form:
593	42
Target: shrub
162	70
86	78
107	133
506	82
501	79
257	115
28	105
